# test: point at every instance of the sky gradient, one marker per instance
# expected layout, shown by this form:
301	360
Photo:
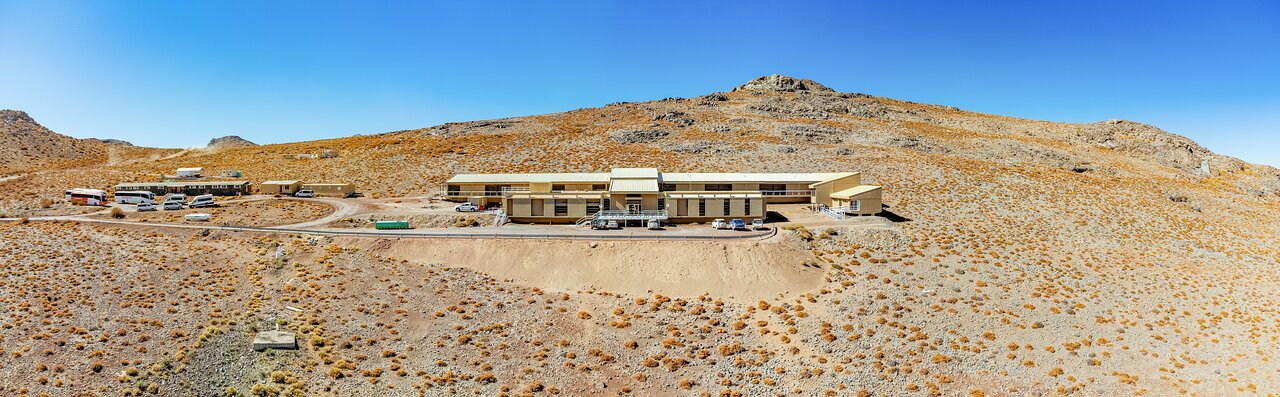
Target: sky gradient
176	74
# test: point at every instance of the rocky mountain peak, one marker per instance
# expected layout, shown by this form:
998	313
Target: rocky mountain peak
780	83
9	116
229	141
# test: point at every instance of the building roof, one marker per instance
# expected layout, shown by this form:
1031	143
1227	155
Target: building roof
191	169
855	191
832	178
326	184
530	178
181	184
633	173
280	182
794	177
634	185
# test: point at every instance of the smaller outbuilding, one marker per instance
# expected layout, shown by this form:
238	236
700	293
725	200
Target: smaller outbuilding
191	172
280	187
330	189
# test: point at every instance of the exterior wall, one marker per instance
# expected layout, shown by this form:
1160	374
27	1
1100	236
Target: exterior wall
279	189
518	207
330	190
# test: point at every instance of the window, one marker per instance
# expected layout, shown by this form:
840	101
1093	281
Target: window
599	187
604	203
562	207
667	187
593	206
702	207
856	205
558	188
773	186
662	203
746	207
726	206
718	187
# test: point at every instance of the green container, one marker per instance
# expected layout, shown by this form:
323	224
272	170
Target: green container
391	225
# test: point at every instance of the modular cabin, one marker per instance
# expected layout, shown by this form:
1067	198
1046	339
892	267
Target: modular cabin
644	194
217	188
330	189
280	187
191	172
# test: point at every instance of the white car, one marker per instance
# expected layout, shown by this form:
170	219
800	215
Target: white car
172	205
466	207
304	193
146	206
757	224
719	224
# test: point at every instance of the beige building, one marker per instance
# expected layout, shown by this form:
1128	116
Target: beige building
279	187
288	188
330	189
645	193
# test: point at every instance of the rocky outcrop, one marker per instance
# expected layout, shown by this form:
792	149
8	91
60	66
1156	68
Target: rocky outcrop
229	141
637	136
780	83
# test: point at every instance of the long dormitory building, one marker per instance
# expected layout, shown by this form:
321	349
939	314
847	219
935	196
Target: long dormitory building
645	193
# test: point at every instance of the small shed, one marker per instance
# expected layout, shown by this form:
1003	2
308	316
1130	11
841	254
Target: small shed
191	172
330	189
280	187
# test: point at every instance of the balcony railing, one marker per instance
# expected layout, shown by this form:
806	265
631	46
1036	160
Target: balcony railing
791	193
631	215
472	193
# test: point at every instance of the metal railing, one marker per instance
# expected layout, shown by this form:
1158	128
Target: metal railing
472	193
632	215
793	193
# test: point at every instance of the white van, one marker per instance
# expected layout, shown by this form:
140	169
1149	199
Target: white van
146	206
135	197
304	193
179	197
204	200
172	205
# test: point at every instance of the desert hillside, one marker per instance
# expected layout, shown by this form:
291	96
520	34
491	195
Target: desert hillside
1024	257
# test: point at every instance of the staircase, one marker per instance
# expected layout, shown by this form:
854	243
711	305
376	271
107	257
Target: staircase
584	220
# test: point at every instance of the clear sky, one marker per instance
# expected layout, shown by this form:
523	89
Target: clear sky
177	73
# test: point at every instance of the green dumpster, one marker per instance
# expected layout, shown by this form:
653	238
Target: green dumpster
383	225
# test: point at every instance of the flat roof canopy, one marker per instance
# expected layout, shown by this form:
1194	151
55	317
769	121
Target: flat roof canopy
279	182
634	186
530	178
853	192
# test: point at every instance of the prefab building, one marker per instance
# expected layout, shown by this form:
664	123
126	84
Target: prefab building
192	172
280	187
330	189
217	188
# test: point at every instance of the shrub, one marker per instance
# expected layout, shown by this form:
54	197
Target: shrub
117	213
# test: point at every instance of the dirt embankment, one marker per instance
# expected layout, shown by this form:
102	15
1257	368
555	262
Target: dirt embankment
734	270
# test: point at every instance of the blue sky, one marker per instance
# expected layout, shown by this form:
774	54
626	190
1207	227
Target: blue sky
175	74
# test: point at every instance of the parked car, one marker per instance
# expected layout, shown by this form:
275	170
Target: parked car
757	224
146	206
737	224
172	205
654	224
611	225
718	224
304	193
598	224
466	207
204	200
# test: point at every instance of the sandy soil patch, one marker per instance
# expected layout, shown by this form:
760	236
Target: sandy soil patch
734	270
242	213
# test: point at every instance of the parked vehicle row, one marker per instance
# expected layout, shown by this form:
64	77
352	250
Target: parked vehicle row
737	224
